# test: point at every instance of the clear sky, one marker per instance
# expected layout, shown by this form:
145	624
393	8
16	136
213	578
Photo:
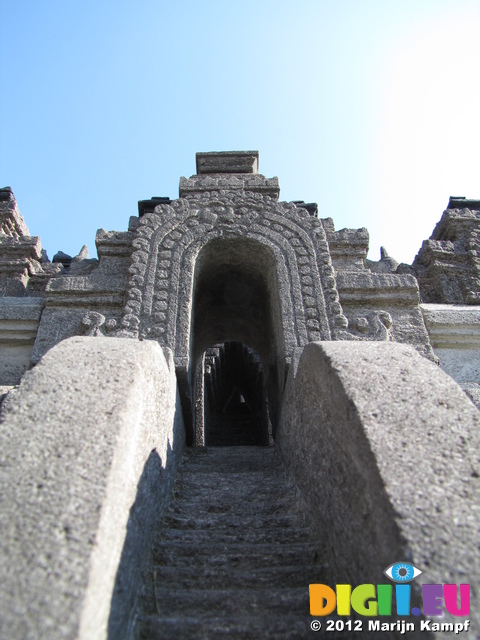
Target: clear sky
369	107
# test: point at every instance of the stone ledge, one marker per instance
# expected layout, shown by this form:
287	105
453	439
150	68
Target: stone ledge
20	309
234	182
451	325
379	288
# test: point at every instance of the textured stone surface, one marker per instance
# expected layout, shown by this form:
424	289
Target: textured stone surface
225	261
19	318
367	297
472	389
448	264
348	247
88	449
165	257
386	450
233	558
378	303
220	182
19	261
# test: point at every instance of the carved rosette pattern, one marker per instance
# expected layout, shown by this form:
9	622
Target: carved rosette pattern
168	240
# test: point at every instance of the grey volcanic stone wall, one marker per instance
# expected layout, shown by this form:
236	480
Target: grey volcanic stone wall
385	448
88	449
88	299
220	267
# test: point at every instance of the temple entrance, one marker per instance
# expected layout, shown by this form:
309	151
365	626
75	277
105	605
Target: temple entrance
237	348
235	405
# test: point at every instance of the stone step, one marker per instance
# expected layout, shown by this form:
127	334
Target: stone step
234	459
228	480
231	477
230	452
240	497
173	601
234	557
258	555
241	494
247	577
288	627
226	536
267	504
232	522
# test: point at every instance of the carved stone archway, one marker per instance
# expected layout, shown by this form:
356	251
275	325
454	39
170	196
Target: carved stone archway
169	241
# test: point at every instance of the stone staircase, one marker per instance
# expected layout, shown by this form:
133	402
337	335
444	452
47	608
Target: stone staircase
234	557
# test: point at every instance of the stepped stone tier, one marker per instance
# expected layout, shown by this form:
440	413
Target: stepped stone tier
252	334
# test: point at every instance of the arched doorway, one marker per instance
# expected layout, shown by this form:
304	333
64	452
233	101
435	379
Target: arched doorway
237	384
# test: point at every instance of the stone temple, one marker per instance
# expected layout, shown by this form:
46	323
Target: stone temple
229	404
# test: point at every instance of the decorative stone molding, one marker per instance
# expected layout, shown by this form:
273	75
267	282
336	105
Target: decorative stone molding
382	306
241	183
166	245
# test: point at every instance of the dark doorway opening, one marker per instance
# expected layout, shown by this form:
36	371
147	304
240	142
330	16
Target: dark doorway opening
237	340
235	404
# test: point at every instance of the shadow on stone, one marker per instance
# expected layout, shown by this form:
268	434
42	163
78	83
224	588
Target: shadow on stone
153	495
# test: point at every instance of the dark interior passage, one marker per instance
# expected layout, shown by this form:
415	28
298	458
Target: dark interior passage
237	336
235	403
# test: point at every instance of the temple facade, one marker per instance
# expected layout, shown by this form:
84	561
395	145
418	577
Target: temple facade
229	318
229	262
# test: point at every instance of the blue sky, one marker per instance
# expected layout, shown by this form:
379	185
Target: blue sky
368	107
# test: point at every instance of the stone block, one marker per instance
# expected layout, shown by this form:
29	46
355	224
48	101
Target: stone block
88	450
227	162
385	448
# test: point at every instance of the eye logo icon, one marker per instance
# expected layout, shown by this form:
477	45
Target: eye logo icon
402	572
